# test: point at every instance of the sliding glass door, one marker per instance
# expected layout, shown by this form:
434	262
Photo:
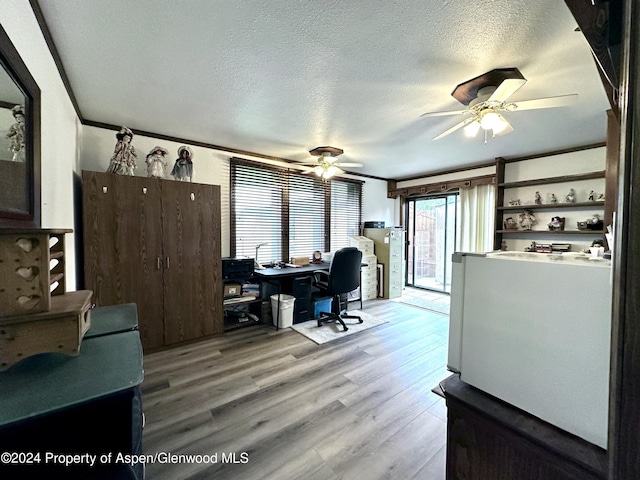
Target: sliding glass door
431	231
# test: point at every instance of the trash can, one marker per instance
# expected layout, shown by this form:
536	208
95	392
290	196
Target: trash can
286	310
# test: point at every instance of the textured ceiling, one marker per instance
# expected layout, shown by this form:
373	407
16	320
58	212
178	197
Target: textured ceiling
280	77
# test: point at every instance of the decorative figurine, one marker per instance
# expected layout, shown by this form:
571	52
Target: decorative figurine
553	198
514	203
556	223
123	161
503	245
16	135
571	196
593	223
530	248
527	220
538	199
510	224
183	168
592	196
600	197
156	163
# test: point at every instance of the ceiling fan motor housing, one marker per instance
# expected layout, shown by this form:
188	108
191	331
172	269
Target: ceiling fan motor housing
326	152
467	91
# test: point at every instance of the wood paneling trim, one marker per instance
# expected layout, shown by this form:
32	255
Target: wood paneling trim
624	420
556	152
613	160
428	188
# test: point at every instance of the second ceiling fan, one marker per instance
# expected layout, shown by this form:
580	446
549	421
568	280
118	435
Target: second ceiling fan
486	97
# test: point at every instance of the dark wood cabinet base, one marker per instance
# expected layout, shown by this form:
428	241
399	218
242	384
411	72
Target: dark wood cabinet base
489	439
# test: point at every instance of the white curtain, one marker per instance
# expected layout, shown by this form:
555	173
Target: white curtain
477	218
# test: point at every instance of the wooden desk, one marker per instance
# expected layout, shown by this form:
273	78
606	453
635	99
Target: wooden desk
279	273
275	276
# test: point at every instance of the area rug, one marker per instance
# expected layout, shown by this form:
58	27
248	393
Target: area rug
333	331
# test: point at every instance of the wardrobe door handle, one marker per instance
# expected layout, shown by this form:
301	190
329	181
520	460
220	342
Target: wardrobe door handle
158	263
167	263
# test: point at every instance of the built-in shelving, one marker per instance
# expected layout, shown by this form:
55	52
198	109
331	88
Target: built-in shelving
554	232
503	210
553	206
560	179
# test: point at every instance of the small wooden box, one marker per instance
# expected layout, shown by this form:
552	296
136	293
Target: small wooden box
24	273
59	330
299	260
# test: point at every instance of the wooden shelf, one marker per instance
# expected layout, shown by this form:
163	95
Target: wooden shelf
553	206
554	232
562	179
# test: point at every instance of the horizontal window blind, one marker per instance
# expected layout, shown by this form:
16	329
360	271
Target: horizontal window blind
290	212
346	207
306	215
257	212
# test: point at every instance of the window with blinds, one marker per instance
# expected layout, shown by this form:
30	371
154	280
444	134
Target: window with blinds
346	198
289	214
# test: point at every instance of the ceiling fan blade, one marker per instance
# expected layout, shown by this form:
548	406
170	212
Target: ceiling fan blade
349	164
458	126
507	88
308	170
547	102
441	114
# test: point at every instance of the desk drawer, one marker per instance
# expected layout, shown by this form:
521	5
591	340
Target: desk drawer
301	287
302	310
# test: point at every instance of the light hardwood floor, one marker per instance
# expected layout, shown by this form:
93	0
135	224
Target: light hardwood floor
360	407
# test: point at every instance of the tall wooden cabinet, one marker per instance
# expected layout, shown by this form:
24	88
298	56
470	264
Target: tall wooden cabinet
155	243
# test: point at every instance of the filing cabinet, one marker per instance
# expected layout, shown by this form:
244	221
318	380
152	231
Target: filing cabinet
389	251
368	277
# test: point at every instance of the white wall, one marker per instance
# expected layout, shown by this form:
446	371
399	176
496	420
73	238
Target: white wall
376	206
59	123
212	167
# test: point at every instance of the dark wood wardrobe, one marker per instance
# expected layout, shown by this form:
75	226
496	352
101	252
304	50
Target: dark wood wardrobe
155	243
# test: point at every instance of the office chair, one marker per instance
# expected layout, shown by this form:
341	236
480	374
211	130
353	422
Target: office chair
343	277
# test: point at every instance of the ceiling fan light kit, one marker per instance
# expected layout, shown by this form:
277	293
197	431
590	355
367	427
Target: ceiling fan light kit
486	96
327	166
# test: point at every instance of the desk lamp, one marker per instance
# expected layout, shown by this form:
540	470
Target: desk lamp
257	265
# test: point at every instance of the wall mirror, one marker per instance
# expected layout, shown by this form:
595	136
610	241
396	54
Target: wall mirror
19	140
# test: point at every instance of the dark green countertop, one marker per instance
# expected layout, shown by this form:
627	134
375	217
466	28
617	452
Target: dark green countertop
113	319
49	382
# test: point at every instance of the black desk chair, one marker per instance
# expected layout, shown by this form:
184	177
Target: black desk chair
343	277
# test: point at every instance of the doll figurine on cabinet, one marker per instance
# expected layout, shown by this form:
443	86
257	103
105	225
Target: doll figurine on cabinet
156	163
123	161
183	168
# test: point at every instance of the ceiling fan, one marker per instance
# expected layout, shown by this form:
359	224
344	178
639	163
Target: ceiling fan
326	166
486	97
